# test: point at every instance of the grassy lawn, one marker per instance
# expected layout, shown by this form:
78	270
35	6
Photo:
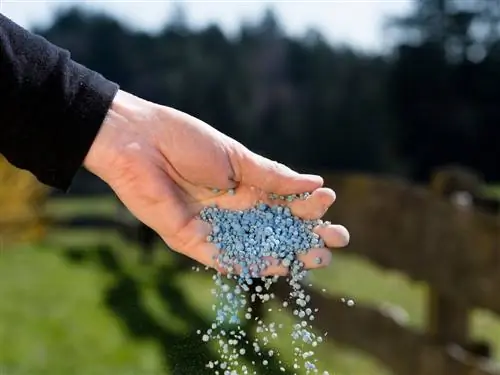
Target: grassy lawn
93	311
493	191
72	307
61	208
55	322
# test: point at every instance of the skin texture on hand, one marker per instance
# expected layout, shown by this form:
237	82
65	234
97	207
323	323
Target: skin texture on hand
164	164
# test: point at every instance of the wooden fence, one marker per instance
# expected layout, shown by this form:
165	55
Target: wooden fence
431	235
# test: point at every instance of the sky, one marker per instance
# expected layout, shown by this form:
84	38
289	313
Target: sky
353	22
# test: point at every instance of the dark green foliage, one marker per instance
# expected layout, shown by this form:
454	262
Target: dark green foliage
311	104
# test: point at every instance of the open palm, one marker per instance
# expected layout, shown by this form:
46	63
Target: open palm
164	165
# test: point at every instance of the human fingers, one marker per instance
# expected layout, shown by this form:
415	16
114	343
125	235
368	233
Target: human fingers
315	206
274	177
319	257
314	258
333	235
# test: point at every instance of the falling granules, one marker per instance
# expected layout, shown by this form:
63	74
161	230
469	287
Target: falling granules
248	240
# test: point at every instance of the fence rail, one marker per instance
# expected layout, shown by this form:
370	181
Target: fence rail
376	332
453	247
414	230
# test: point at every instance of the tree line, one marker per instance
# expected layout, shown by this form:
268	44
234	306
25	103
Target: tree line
433	100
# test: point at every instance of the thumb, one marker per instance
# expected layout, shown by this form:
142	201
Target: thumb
273	177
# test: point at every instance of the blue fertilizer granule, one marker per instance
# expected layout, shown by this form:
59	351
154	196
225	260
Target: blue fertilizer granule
250	241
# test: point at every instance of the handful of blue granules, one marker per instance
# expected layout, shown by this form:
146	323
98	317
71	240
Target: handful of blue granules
247	238
250	241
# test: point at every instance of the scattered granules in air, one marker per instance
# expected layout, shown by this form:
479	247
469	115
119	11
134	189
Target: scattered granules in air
248	240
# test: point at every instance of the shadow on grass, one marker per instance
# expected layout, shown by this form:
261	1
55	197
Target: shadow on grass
183	354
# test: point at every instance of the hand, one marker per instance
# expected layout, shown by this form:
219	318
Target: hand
164	164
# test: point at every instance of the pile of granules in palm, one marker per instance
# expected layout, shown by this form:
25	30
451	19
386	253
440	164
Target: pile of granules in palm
249	241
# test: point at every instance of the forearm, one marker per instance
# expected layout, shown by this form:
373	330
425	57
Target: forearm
51	108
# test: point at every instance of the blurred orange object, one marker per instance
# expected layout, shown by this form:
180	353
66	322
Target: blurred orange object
22	200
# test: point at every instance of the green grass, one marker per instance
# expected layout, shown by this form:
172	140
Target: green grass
493	191
63	208
71	308
54	321
58	321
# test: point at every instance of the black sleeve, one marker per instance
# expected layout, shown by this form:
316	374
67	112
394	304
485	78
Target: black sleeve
51	107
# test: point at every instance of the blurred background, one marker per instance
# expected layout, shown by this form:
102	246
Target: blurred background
396	103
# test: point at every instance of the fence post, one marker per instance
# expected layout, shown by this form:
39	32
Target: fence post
449	318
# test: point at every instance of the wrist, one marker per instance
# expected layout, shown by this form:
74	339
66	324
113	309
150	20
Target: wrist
117	134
